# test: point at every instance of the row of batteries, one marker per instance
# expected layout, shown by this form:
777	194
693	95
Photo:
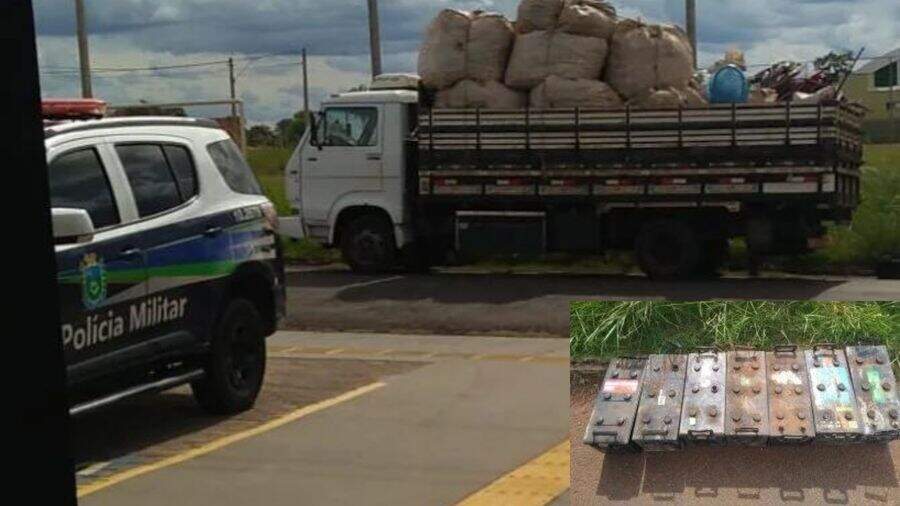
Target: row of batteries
746	396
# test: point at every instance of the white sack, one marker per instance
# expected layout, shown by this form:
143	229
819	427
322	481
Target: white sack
669	98
590	18
538	15
472	94
540	54
556	92
460	45
646	57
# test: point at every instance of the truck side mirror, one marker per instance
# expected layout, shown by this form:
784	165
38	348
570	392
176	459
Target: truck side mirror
72	226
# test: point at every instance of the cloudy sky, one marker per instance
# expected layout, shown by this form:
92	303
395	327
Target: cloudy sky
146	33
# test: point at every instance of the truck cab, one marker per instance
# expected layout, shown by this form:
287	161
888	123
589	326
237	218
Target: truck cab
346	180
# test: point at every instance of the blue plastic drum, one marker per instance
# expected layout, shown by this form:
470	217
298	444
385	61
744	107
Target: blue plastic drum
729	85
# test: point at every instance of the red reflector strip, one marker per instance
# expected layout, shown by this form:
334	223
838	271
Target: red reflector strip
563	182
674	180
619	182
732	180
512	182
802	179
445	182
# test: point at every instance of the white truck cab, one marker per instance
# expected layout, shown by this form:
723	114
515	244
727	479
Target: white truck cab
353	170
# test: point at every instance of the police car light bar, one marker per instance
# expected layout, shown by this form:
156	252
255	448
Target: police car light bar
78	108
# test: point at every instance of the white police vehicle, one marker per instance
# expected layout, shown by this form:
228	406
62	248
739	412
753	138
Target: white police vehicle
169	266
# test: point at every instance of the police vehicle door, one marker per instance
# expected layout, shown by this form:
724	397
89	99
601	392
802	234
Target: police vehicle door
97	280
181	246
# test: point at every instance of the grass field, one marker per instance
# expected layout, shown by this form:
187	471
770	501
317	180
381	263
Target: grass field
268	163
608	329
873	234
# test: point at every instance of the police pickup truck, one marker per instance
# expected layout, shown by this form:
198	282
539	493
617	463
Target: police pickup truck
169	267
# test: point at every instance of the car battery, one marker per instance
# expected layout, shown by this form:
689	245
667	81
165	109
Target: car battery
746	398
703	410
612	420
659	411
834	406
876	392
790	406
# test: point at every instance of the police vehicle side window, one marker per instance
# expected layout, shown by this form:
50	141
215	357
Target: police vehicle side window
151	179
237	174
78	181
183	167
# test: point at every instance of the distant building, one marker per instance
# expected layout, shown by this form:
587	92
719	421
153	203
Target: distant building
876	85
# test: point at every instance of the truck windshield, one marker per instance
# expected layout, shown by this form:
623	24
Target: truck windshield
351	126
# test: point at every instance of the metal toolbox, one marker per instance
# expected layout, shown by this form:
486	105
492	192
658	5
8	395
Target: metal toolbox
834	407
876	392
703	412
790	405
659	411
612	420
746	398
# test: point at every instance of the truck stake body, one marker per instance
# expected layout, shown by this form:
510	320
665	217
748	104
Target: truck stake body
659	411
611	422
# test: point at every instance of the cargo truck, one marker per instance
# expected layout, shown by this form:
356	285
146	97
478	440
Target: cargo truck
392	181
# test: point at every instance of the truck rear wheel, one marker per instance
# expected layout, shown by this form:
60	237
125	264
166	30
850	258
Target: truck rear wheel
236	363
668	249
368	245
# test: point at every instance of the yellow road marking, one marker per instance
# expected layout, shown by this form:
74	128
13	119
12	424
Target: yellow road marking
225	441
536	483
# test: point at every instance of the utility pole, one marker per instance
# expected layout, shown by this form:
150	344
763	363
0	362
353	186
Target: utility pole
231	85
691	22
83	56
305	92
374	37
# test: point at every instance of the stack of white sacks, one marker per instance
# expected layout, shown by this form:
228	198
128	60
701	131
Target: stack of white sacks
560	53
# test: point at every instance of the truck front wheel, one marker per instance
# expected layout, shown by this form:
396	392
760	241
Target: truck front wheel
668	249
368	245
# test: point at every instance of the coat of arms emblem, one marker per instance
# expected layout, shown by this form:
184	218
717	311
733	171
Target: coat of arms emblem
93	281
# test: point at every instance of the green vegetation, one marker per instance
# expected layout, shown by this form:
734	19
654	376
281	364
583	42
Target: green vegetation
268	163
609	329
874	232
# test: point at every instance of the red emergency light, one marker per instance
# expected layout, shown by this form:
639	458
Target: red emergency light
73	108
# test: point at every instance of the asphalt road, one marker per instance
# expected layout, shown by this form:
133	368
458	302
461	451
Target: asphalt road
450	302
861	474
441	419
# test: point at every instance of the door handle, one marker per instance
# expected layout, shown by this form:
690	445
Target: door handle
373	157
212	231
130	252
312	159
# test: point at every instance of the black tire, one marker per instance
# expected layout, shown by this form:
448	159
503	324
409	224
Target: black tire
668	249
236	364
368	245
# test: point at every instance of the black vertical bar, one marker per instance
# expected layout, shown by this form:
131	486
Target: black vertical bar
35	369
733	124
680	127
578	129
478	162
787	132
819	124
628	126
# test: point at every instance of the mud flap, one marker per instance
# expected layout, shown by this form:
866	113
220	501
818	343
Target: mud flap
659	411
611	423
876	392
703	412
834	406
790	405
746	398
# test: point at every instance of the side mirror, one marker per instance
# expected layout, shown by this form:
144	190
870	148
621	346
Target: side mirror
72	226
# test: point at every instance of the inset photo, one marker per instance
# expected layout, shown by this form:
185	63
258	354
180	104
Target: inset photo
716	402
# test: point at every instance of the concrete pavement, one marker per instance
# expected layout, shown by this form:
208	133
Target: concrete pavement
479	408
452	302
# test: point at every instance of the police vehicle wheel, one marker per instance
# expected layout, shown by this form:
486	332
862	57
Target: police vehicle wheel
668	249
237	361
368	245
